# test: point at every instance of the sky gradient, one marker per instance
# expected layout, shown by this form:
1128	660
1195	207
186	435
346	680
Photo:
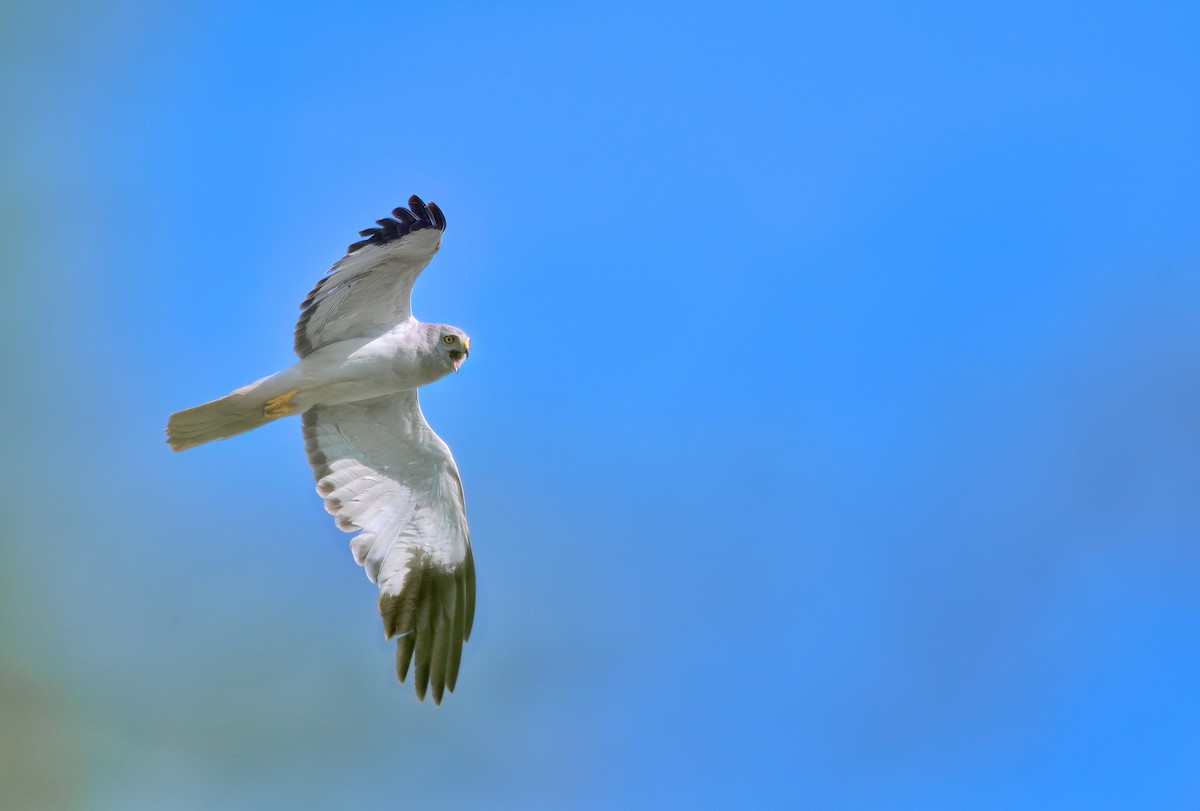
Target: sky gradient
831	432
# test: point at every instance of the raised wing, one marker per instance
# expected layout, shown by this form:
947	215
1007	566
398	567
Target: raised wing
368	292
383	470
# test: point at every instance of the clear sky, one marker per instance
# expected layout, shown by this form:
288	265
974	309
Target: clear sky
831	433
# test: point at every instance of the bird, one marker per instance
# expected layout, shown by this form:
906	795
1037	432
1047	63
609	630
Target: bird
382	471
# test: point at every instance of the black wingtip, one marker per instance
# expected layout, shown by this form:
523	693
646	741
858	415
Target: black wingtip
429	620
419	215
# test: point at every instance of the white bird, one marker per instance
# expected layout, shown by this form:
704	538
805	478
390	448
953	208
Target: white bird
382	470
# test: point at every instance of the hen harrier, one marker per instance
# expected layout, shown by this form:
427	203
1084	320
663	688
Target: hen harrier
382	470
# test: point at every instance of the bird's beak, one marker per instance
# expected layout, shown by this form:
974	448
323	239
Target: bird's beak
466	353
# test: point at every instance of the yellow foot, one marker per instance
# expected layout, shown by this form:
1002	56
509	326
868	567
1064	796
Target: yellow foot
281	406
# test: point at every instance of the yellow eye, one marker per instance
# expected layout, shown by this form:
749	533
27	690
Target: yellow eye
449	339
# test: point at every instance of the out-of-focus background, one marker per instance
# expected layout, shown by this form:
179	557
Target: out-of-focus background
831	438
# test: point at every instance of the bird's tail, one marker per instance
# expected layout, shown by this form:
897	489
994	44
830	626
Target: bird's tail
235	413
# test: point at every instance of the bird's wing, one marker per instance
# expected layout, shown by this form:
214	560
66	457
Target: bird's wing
383	470
368	291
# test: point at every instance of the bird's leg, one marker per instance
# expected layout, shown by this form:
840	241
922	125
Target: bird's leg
281	406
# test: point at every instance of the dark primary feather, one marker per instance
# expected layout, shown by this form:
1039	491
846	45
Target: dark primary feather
418	208
439	219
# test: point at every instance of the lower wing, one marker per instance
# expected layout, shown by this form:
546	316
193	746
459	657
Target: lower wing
385	474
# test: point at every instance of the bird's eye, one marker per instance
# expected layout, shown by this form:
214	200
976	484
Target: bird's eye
449	339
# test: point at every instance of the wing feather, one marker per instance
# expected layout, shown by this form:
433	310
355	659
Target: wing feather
369	290
385	474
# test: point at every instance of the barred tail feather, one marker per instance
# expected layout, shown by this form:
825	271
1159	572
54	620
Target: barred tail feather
235	413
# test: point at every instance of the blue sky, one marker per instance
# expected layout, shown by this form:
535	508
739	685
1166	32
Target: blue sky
830	431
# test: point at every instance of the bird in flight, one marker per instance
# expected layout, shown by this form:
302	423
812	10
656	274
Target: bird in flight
381	469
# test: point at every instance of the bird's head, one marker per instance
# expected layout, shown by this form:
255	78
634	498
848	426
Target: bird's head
454	344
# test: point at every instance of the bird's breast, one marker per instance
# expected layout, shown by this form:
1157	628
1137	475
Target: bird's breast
359	369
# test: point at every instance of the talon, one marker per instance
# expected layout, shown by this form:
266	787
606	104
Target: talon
281	406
